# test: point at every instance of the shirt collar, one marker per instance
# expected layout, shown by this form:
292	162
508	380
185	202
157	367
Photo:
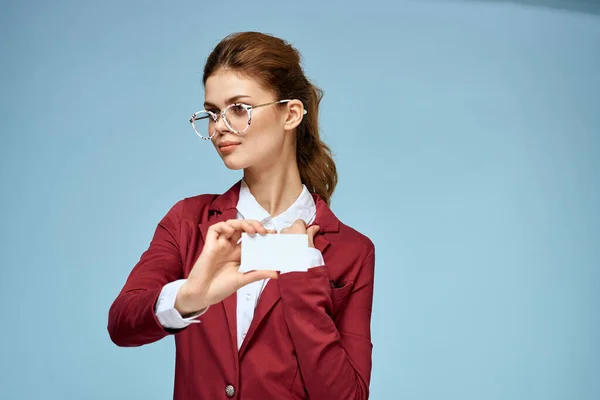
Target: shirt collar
303	208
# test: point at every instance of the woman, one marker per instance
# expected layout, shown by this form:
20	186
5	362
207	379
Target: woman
260	334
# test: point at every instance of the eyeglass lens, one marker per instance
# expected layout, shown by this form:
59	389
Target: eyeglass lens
236	117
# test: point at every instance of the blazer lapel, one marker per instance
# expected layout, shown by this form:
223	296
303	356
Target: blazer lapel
222	209
267	300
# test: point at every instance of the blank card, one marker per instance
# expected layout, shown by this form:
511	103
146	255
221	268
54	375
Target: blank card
277	252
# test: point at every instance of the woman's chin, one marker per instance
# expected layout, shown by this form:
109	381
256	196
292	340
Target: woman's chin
233	164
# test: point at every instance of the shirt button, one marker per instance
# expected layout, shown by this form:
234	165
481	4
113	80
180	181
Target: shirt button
229	391
248	296
243	336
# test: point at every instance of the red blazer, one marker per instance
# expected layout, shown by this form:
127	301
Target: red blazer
310	336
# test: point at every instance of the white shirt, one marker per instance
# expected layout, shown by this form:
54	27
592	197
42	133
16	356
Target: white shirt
247	297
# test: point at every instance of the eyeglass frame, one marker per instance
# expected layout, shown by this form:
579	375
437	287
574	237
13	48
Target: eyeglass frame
222	115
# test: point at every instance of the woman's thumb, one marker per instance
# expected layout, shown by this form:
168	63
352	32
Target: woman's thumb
312	231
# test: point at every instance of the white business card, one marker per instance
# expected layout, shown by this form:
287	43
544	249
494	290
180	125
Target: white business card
276	252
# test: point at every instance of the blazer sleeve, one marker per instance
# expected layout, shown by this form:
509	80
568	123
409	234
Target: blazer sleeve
335	361
131	319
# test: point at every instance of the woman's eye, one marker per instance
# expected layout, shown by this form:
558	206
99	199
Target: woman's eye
238	109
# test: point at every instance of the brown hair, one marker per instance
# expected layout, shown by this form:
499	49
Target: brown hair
276	64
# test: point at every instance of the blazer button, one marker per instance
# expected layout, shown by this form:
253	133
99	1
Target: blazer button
230	391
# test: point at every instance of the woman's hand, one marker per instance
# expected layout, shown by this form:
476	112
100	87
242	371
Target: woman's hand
215	274
299	227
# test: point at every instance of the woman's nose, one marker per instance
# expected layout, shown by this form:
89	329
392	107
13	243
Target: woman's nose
221	126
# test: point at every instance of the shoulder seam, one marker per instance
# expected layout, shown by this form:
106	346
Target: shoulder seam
371	252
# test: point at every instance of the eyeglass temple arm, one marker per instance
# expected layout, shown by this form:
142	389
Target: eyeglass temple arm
196	118
279	102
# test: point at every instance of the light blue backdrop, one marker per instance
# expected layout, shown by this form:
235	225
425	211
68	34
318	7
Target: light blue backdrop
466	135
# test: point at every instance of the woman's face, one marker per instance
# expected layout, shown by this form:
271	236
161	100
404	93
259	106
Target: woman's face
265	139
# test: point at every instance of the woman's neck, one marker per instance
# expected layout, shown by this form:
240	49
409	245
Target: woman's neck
275	188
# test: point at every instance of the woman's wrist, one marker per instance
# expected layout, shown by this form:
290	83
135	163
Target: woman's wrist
189	302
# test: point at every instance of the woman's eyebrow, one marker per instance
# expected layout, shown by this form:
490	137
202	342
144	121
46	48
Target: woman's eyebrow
230	100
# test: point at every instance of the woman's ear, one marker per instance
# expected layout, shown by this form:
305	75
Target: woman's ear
295	113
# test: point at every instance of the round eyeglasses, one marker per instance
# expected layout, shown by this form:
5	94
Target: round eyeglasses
237	118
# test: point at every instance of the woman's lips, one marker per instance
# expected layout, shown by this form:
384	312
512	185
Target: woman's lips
228	147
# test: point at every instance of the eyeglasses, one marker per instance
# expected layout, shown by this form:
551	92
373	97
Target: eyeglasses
237	117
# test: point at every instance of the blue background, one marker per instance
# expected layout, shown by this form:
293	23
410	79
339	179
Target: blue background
466	134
